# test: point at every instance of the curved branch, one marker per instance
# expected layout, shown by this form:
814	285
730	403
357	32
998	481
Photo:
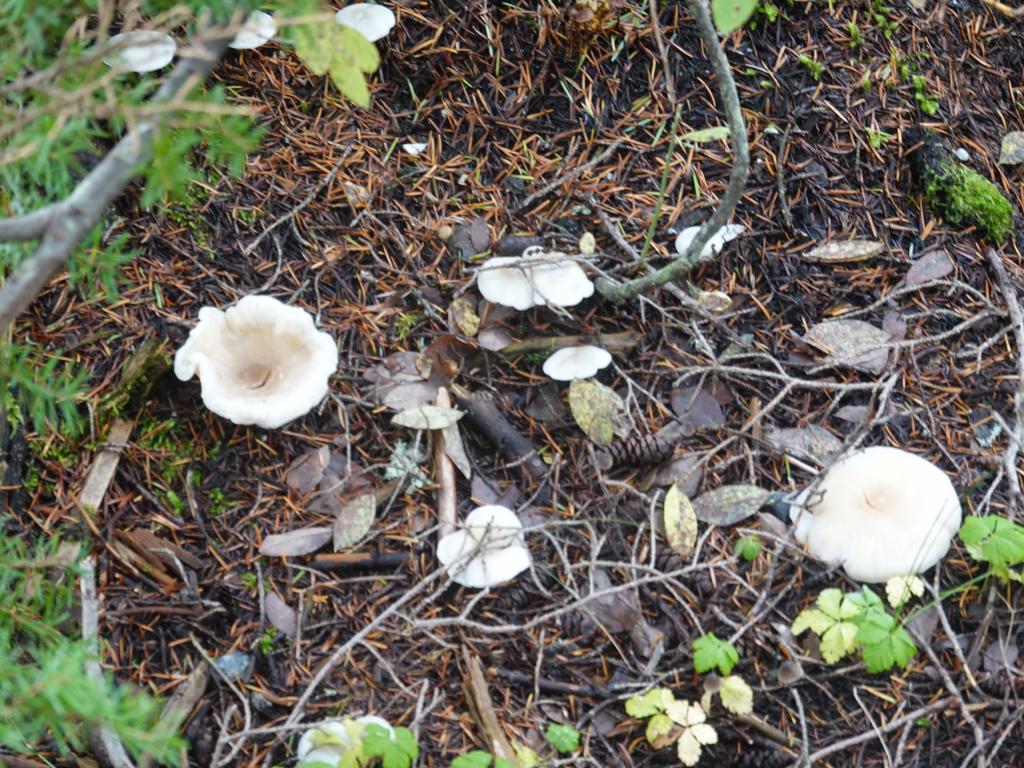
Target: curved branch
69	221
685	263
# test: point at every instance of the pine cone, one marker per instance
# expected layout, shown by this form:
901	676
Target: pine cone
637	449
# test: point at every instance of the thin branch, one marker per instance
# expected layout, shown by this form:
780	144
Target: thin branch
619	292
72	219
31	226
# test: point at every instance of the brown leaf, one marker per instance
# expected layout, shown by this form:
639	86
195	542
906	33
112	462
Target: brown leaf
514	245
281	615
854	414
443	357
932	266
686	472
295	543
895	326
729	504
494	339
616	612
546	404
471	238
697	408
354	521
305	472
843	251
812	440
456	451
851	343
412	395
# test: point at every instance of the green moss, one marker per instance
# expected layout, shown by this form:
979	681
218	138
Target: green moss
965	198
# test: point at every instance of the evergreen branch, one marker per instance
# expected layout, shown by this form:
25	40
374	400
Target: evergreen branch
685	263
73	218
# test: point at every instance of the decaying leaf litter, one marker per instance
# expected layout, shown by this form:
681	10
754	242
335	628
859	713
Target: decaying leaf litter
508	101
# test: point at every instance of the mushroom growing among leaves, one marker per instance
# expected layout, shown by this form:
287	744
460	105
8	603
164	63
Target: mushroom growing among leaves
535	279
488	549
714	244
142	51
329	742
260	362
258	29
371	21
580	362
880	512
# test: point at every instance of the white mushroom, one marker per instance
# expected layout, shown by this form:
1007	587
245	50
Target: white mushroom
487	550
371	21
329	741
880	512
504	280
260	362
580	362
415	147
258	29
714	244
535	279
143	51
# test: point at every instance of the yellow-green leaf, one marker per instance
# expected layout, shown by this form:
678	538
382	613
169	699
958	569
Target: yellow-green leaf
658	727
736	695
680	522
718	133
598	410
351	83
356	49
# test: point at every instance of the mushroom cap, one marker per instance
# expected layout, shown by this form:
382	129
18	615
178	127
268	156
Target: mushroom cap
505	280
332	737
142	51
261	362
714	244
535	279
880	512
368	19
259	28
581	362
488	549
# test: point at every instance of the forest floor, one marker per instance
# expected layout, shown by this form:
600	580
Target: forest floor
536	126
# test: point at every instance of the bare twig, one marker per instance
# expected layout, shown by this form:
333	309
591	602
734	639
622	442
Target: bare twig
619	292
70	220
444	469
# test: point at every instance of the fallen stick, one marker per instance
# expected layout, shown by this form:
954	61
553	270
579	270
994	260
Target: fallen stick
444	475
478	698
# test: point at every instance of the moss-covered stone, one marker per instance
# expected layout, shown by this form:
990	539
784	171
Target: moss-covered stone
960	195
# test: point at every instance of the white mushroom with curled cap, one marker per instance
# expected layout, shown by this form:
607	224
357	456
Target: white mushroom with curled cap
486	550
879	513
368	19
715	243
258	29
537	278
580	362
260	362
141	51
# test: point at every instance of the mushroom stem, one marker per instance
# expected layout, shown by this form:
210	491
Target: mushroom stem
730	103
444	470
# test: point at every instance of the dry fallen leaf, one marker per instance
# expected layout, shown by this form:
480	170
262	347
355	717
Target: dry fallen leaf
295	543
427	417
456	451
1012	150
462	315
305	473
354	520
843	251
281	615
685	472
587	244
729	504
471	238
812	440
680	522
697	408
851	343
932	266
615	612
598	410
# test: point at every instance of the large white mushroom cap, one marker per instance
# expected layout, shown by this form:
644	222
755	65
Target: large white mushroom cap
371	21
260	362
259	28
487	550
329	741
142	51
880	512
714	244
535	279
580	362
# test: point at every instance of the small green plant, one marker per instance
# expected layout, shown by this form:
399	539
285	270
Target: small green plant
815	68
997	541
669	720
266	641
480	759
394	750
710	652
563	738
749	547
926	102
731	14
876	138
361	744
856	38
858	621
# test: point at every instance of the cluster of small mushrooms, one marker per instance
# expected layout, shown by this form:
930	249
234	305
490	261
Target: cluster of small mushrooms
149	50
